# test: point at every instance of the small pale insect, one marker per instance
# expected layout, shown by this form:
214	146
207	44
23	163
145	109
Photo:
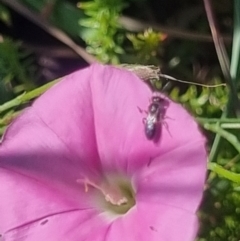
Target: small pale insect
155	114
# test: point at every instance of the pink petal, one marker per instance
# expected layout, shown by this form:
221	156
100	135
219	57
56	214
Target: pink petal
67	110
38	173
155	222
162	223
118	121
24	199
32	148
122	143
73	225
175	178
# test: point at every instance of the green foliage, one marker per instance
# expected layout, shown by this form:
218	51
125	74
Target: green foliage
14	70
102	33
202	101
220	215
145	47
60	13
5	15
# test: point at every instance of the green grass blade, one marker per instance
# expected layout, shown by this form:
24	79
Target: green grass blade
235	65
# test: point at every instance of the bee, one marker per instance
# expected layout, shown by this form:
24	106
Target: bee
155	115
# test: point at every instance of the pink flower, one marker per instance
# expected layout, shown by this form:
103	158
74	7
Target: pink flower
77	165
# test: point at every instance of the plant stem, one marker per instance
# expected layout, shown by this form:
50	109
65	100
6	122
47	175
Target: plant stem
220	120
225	134
223	172
27	96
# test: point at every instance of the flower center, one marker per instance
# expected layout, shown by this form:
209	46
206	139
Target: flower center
117	192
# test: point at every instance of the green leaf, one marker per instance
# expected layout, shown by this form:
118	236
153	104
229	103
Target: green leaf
214	167
235	64
225	134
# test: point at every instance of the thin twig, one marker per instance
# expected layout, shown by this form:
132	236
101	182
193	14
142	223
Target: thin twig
55	32
217	39
220	120
168	77
137	25
224	63
221	53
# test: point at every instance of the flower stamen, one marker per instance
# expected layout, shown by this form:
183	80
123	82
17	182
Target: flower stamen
112	193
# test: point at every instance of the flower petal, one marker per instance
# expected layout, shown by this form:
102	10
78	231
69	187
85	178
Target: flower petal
151	221
176	178
38	173
25	200
117	97
163	223
67	110
75	225
122	143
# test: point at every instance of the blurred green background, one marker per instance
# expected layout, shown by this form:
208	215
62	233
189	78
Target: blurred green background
196	41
